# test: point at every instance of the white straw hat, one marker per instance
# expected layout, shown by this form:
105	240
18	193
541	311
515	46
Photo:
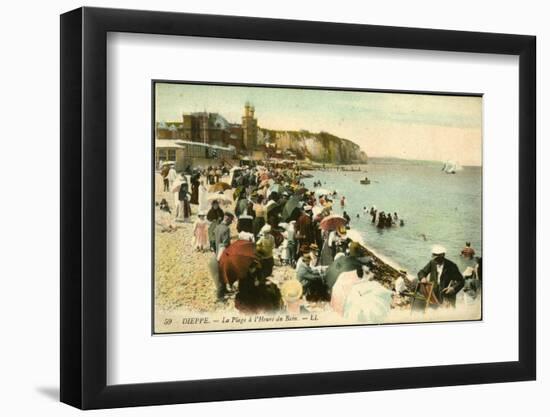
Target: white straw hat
438	250
291	290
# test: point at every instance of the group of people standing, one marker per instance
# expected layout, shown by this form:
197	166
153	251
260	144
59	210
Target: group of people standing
279	222
382	219
271	220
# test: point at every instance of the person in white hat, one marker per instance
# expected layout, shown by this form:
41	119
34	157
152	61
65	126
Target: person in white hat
291	292
444	275
264	250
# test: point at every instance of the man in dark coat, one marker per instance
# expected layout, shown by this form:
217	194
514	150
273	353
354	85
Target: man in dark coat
304	228
444	275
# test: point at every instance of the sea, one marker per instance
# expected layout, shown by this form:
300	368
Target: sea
437	208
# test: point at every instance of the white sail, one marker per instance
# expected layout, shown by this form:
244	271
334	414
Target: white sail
451	167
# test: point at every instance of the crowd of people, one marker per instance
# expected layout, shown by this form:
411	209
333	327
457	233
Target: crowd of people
279	223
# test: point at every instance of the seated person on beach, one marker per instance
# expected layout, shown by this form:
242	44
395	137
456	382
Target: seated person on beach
444	275
312	280
164	219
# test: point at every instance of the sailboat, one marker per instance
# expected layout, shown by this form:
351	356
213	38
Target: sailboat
450	167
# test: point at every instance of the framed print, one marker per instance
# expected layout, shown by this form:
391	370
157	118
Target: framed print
235	189
290	221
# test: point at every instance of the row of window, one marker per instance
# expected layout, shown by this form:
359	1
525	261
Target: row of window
192	152
166	155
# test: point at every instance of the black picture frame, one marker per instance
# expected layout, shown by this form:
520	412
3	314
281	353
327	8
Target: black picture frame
84	207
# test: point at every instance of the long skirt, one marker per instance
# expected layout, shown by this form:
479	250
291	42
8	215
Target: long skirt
194	194
252	299
184	210
316	290
201	236
257	225
267	267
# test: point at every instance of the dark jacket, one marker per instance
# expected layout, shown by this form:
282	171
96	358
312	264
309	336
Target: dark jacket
182	193
450	273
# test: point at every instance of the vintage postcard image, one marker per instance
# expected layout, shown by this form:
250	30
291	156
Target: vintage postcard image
295	207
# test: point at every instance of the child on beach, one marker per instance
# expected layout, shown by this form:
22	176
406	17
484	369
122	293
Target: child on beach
200	233
163	218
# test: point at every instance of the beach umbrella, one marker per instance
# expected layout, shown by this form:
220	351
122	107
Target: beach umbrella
332	222
235	261
368	302
341	289
322	191
316	210
219	186
222	199
292	203
355	236
177	185
342	264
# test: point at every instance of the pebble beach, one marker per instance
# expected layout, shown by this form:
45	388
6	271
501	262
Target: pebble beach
184	287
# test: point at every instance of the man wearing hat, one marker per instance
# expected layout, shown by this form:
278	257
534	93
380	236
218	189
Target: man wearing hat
311	280
304	228
444	275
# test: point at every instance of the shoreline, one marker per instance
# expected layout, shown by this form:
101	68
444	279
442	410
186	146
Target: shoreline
184	288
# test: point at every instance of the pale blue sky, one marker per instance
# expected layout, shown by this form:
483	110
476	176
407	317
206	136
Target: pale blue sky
384	124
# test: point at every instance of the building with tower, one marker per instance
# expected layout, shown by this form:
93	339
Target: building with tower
250	128
212	129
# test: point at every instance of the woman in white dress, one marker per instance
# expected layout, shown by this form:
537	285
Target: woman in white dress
203	197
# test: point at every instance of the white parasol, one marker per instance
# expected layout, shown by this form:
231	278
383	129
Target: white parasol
322	191
222	199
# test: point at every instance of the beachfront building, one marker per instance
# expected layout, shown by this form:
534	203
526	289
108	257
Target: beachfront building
212	129
188	153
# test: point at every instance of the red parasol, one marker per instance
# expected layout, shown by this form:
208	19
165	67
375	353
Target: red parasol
332	222
235	261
